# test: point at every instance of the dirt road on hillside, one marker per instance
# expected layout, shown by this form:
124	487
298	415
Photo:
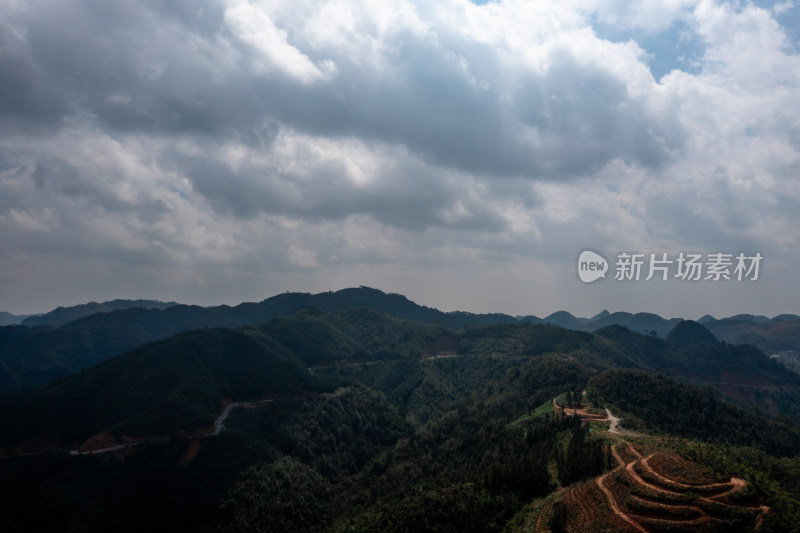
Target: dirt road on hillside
610	497
613	422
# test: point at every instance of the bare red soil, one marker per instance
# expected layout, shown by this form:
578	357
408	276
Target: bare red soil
636	497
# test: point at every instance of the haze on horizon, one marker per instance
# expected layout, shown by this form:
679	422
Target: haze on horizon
460	154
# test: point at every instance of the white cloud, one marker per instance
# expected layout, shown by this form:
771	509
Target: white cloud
236	141
782	7
302	258
251	22
650	15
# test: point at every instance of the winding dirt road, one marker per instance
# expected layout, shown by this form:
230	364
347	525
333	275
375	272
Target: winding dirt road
610	497
219	425
735	484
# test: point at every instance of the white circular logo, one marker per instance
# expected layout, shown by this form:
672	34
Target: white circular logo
591	266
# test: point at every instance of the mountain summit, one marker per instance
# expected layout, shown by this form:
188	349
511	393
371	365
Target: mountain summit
689	332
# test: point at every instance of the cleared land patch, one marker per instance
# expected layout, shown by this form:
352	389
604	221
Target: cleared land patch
657	492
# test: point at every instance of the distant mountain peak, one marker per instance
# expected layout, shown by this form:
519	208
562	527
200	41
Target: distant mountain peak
780	318
565	319
62	315
689	332
746	317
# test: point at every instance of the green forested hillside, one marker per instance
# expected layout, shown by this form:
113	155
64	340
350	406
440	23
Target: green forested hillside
383	424
327	337
156	389
665	405
70	339
779	334
180	383
35	356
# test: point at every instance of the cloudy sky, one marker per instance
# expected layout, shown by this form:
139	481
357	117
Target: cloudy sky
462	154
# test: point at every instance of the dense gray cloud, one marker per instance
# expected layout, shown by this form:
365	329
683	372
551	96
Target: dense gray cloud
139	68
208	151
27	95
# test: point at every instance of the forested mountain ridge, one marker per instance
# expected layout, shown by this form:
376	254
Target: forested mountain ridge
673	407
35	356
377	423
179	383
31	357
64	315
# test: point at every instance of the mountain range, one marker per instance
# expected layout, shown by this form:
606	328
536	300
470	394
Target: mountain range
731	329
58	343
362	411
179	383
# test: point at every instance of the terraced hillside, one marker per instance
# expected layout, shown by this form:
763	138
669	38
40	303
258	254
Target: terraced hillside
653	493
649	490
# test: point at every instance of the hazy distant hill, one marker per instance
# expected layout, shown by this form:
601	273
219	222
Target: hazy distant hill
8	319
565	320
782	333
64	315
641	322
690	351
